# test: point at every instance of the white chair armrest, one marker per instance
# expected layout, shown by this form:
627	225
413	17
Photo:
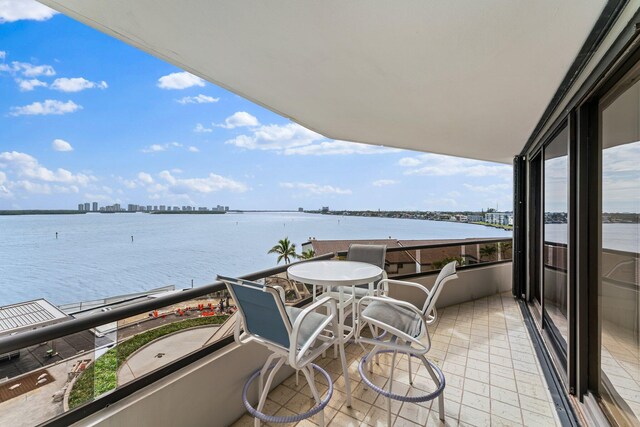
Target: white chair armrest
280	292
403	283
295	332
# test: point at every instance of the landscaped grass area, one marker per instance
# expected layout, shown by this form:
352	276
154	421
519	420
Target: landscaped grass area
101	376
504	227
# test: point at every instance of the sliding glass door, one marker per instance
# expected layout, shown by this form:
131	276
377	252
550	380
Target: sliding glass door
554	254
619	282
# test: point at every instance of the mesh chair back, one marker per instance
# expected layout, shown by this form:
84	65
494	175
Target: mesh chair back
261	309
447	273
372	254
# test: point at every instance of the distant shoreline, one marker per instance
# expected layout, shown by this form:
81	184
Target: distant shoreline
74	212
42	212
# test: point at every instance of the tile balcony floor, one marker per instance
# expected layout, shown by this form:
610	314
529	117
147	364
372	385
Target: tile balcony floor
483	348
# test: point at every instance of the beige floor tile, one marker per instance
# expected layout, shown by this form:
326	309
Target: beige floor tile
414	412
536	420
474	417
476	387
477	401
343	420
506	411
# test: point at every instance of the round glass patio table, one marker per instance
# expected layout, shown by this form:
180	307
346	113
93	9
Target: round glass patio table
335	273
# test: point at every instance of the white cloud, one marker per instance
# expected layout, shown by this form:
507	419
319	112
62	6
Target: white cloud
61	145
4	191
29	85
239	119
47	107
276	137
26	166
201	129
193	149
408	162
491	188
76	84
293	139
181	80
210	183
145	178
155	148
328	148
315	189
3	54
440	165
16	10
27	69
384	182
199	99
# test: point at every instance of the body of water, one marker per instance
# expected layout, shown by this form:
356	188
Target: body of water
94	257
617	236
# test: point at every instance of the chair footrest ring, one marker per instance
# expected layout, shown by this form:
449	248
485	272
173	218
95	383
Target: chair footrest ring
291	418
412	399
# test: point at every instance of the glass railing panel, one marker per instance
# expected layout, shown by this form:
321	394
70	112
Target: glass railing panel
148	341
409	261
65	373
35	381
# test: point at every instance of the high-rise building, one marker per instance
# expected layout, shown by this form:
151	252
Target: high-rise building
94	208
163	208
155	208
87	207
80	207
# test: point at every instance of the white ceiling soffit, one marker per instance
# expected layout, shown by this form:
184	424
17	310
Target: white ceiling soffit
465	78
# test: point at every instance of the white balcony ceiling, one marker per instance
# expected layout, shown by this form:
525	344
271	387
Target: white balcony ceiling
466	78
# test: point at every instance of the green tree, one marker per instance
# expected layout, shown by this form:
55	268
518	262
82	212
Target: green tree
488	252
308	254
285	250
437	265
505	249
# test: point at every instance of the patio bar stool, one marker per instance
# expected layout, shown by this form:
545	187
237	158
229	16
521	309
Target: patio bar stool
404	330
294	336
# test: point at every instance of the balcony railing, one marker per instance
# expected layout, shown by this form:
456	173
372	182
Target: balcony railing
97	359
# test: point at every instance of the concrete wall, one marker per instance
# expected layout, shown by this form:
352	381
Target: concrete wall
206	393
471	284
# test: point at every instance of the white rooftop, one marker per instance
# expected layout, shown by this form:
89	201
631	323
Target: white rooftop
28	315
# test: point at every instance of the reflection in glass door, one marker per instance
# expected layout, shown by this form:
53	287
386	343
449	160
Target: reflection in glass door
554	255
619	287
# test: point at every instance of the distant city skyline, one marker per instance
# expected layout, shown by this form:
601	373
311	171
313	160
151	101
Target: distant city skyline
85	117
132	207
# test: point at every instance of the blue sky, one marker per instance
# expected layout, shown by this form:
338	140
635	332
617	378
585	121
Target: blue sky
85	117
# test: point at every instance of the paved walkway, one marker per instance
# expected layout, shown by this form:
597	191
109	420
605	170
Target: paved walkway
163	351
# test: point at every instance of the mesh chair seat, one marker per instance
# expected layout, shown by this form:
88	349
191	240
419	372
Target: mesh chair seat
310	324
399	318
